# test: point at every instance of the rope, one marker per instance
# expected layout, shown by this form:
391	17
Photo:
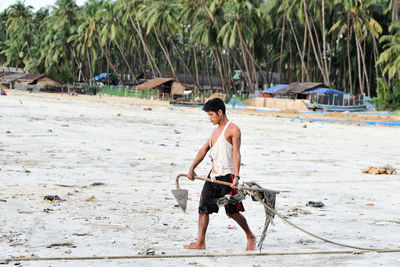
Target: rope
257	197
190	256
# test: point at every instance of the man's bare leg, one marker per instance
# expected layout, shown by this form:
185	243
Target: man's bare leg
201	236
251	238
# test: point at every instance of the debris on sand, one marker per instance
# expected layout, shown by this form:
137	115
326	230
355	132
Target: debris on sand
387	169
150	251
47	210
68	244
52	198
305	241
315	204
97	184
297	210
91	199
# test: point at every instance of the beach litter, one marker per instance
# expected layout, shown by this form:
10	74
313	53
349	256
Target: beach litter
305	241
91	199
97	184
67	244
387	169
297	210
315	204
52	198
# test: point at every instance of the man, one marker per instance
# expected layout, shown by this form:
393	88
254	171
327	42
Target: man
224	147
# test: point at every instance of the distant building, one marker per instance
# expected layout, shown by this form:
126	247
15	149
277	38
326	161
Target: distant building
9	79
164	86
38	82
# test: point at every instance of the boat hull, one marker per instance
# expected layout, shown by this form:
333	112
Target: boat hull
337	108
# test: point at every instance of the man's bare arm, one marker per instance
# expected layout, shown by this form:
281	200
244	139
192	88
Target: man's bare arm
236	142
199	158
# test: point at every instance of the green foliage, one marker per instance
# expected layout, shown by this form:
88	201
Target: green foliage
209	38
388	97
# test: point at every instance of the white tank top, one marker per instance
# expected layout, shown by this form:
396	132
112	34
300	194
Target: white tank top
221	154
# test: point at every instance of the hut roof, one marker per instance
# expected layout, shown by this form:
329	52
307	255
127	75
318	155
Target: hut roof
184	78
11	77
178	88
299	88
30	78
153	83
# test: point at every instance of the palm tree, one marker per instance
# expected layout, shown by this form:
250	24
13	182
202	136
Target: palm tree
390	57
160	17
205	30
20	30
57	53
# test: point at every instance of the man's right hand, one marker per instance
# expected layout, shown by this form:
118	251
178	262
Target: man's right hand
191	174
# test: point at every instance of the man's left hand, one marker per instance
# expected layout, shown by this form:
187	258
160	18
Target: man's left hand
234	183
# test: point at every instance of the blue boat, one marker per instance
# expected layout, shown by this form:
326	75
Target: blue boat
328	99
337	108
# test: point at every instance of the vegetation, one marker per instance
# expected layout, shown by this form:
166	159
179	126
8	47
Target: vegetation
350	45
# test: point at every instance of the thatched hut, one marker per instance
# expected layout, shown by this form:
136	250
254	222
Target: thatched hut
8	79
297	90
164	86
38	82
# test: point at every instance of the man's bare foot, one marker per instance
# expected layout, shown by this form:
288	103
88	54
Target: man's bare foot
251	243
195	246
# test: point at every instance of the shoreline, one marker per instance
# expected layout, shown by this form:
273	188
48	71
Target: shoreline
361	118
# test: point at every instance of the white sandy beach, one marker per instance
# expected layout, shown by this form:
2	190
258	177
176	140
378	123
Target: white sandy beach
47	141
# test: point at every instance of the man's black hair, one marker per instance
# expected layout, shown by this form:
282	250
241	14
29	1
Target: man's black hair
214	104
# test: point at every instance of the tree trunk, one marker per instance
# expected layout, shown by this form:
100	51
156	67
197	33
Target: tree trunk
303	66
109	61
348	54
395	10
150	59
242	43
166	54
318	56
140	60
208	72
196	83
239	66
281	51
219	67
196	71
360	80
125	60
324	56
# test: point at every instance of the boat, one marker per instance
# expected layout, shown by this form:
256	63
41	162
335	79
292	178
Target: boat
186	103
336	108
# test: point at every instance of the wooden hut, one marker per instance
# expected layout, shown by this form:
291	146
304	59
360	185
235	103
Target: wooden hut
164	86
9	79
296	90
38	82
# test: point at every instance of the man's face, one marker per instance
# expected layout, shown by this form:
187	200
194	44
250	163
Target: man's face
214	117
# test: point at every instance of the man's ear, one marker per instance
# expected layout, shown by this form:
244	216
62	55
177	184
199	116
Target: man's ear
219	112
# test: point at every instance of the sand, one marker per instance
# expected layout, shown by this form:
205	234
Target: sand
61	145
